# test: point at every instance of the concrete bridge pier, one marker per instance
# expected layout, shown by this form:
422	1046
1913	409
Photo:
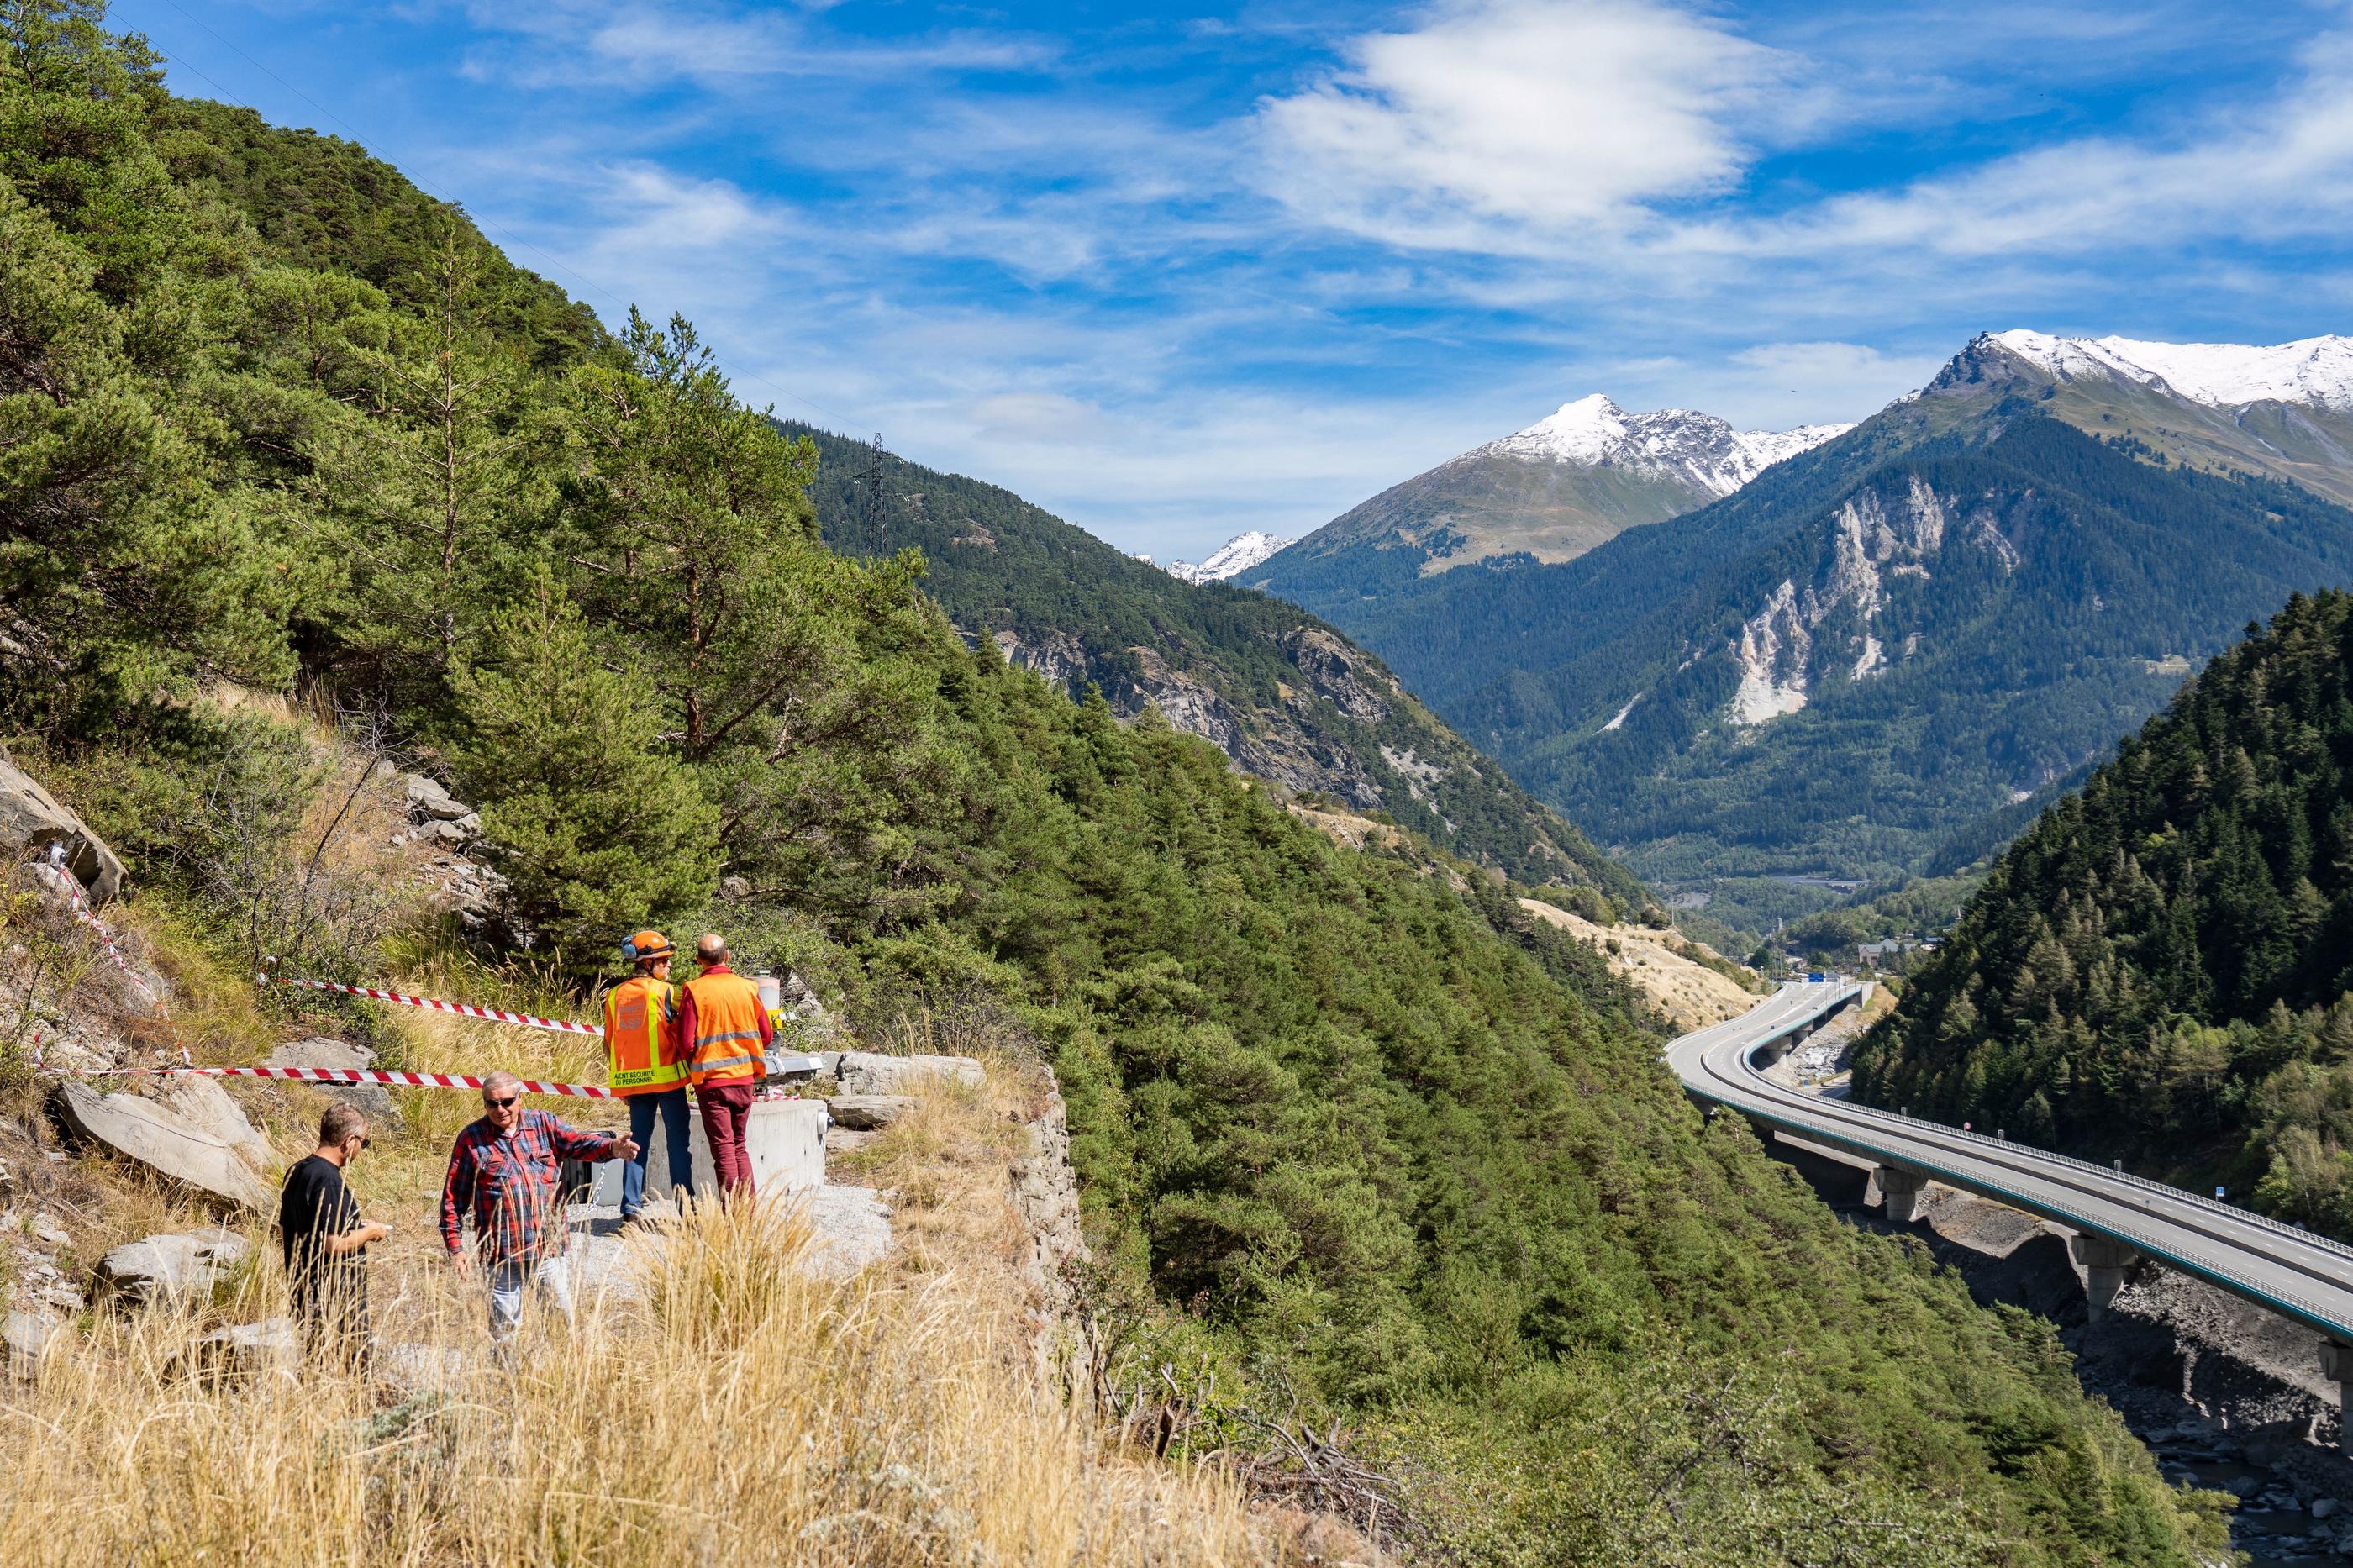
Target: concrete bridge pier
2336	1365
2104	1260
1899	1191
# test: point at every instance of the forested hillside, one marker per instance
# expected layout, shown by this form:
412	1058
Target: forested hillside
1286	697
2161	968
1361	1142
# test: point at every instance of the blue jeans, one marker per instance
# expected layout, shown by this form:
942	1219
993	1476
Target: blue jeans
671	1104
550	1275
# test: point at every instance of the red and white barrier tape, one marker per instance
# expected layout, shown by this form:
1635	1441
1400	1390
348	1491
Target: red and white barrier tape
462	1009
338	1075
82	912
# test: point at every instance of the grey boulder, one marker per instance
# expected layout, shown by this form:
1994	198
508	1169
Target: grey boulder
863	1072
202	1102
32	820
373	1100
852	1227
29	1340
246	1347
428	801
425	1369
869	1112
181	1265
169	1144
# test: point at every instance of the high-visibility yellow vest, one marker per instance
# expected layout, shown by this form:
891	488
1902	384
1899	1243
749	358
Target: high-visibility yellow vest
642	1051
726	1044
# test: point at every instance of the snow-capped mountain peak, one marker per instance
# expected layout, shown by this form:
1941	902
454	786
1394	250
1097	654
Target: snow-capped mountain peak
1697	449
2227	375
1236	555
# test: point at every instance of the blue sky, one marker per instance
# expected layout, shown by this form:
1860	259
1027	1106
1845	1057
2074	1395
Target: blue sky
1178	272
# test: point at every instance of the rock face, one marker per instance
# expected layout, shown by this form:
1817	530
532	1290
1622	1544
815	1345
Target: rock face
869	1112
167	1143
373	1100
444	834
177	1267
1046	1191
32	821
865	1073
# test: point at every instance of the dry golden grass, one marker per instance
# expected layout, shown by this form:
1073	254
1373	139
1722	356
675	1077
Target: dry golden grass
737	1407
740	1410
746	1412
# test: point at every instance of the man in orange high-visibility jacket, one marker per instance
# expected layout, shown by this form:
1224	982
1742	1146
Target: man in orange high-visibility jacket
646	1065
727	1034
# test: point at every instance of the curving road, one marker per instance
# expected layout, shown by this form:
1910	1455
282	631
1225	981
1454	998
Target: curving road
2293	1272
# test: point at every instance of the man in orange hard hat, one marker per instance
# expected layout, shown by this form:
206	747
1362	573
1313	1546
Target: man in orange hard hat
727	1034
646	1065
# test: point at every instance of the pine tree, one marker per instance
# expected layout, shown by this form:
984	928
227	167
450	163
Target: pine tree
599	828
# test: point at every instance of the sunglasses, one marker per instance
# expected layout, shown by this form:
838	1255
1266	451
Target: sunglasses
500	1104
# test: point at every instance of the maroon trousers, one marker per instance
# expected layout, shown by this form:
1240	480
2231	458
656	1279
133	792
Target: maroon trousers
726	1111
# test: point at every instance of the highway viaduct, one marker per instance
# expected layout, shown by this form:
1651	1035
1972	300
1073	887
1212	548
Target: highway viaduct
2115	1217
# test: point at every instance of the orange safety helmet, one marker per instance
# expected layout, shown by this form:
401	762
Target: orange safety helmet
647	944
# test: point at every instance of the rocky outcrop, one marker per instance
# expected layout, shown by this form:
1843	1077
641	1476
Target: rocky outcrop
164	1143
34	824
1340	673
184	1266
865	1073
445	836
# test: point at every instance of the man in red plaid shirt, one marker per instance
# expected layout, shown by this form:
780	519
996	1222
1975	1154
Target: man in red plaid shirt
505	1168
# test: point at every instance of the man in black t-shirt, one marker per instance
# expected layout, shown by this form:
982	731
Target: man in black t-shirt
326	1243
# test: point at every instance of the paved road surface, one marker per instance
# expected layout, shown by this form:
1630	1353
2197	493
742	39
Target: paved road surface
2291	1272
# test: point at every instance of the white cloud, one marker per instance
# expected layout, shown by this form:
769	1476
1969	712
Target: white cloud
1777	386
1500	119
637	45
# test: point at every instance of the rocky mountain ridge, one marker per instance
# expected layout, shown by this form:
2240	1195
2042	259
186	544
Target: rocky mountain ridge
1545	494
1699	450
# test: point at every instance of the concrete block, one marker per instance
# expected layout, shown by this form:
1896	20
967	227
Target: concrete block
786	1138
2104	1261
1900	1190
